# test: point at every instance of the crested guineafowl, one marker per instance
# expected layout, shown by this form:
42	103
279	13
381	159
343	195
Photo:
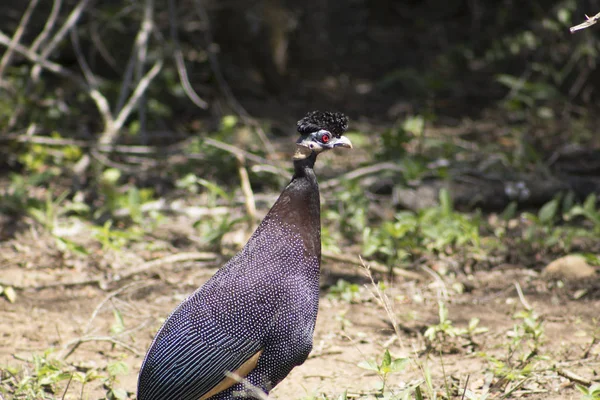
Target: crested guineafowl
256	316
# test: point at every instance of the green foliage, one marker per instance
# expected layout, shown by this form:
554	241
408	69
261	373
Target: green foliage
444	330
349	210
590	393
433	230
39	383
387	366
116	239
522	350
345	291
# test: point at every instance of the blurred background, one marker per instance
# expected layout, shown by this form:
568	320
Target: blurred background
138	131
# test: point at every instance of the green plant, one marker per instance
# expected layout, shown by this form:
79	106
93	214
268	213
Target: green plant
590	393
39	383
344	290
432	230
588	211
114	238
387	366
444	330
526	336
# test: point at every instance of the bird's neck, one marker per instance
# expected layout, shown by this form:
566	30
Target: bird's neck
299	205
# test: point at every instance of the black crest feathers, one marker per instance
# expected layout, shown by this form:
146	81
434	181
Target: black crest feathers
336	123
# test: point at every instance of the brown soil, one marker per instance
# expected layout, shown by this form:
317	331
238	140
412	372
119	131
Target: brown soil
346	334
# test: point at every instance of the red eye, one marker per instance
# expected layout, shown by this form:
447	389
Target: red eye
325	138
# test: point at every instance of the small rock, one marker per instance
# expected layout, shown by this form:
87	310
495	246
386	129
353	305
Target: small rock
569	267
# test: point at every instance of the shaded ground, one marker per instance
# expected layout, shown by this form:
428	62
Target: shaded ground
347	332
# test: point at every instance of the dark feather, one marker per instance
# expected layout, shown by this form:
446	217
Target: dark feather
334	122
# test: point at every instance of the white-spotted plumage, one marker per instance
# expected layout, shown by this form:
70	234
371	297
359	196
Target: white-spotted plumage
264	299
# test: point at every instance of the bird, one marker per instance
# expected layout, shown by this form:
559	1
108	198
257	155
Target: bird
252	322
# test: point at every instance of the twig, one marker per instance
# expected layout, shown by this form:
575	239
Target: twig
180	62
58	37
17	36
572	376
141	54
110	137
87	72
41	38
442	290
101	304
360	172
586	24
256	391
384	301
237	151
247	191
67	388
522	297
39	60
79	341
171	259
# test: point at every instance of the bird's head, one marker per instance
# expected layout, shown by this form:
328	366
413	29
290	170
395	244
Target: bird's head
321	131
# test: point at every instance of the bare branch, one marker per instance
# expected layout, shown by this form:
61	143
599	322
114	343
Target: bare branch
56	5
133	100
141	40
36	58
59	36
586	24
17	36
181	70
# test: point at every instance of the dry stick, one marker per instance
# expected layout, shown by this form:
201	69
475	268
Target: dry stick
247	191
247	155
141	54
67	388
256	391
586	24
79	341
128	76
59	36
36	58
132	102
565	373
522	297
41	38
384	301
180	62
360	172
101	47
106	299
17	36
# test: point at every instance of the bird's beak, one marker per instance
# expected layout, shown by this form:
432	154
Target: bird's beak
342	141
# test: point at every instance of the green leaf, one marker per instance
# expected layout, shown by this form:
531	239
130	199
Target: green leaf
399	364
119	325
117	368
368	365
590	203
548	212
117	394
446	202
387	360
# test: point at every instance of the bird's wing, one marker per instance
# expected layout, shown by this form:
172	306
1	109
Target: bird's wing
186	365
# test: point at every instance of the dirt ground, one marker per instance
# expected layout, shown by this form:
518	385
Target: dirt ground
76	319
